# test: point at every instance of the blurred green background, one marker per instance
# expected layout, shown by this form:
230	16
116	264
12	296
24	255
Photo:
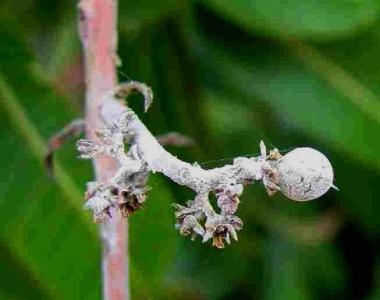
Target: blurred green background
227	73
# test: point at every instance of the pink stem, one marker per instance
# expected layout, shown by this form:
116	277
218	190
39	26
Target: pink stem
97	27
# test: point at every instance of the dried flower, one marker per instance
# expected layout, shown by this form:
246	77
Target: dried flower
222	228
130	200
88	149
228	197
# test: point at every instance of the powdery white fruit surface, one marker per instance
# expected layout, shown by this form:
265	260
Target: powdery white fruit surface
304	174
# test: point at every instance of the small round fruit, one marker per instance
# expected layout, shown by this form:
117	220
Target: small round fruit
304	174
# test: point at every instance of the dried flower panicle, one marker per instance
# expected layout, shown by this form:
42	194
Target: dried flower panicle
127	190
302	174
198	219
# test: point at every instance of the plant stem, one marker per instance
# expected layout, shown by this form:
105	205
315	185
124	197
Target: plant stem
97	27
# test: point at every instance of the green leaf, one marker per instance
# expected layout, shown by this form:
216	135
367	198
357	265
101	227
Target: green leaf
18	283
298	96
70	229
299	18
52	239
153	239
308	95
375	292
323	269
243	128
284	274
136	15
297	271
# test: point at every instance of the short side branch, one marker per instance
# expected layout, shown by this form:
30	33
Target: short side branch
126	190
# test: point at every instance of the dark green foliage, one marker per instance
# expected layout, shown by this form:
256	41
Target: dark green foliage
227	73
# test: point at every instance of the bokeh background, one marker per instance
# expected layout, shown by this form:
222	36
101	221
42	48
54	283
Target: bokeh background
227	73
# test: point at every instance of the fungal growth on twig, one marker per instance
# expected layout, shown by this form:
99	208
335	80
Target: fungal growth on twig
302	174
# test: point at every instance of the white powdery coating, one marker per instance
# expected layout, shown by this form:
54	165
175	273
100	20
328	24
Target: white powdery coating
304	174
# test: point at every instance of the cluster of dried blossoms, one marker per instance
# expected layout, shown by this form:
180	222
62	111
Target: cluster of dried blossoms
302	174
